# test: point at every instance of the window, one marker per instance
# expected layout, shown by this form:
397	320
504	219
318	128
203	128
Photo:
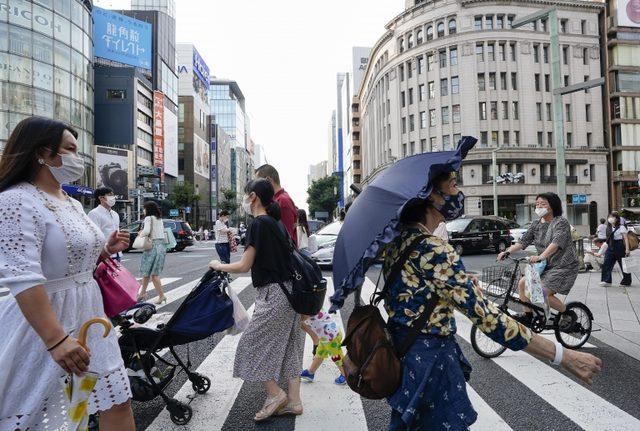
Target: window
401	44
492	81
536	81
453	28
510	19
423	120
499	22
536	53
116	94
494	139
512	51
549	139
502	52
494	110
543	25
563	26
403	121
412	123
569	140
411	96
445	114
456	113
482	109
586	78
403	99
421	92
432	90
505	138
545	53
514	110
585	56
401	72
488	22
483	139
442	56
505	110
539	111
589	138
565	55
540	136
567	109
420	65
514	81
409	69
566	80
430	61
516	138
547	83
444	87
549	112
404	150
432	117
491	52
592	170
440	29
503	80
423	145
412	146
410	41
446	143
477	23
419	38
583	26
588	113
481	86
430	32
455	85
480	52
453	56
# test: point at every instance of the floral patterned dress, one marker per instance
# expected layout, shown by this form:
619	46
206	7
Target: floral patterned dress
433	394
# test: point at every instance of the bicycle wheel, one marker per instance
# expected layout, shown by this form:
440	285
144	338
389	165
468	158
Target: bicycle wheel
485	346
573	327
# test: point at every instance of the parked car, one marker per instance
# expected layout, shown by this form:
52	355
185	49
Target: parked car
315	225
516	233
479	233
181	231
326	239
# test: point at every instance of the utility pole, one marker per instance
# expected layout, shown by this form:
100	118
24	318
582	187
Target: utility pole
494	165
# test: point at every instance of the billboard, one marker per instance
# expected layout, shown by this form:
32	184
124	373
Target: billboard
158	132
170	143
120	38
359	61
200	156
200	68
113	170
628	13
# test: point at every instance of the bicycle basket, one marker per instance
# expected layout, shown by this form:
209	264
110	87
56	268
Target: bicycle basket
496	280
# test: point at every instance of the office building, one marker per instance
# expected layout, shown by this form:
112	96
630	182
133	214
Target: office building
168	7
317	172
343	103
460	69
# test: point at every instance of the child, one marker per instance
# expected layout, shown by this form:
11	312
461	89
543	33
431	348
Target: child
327	342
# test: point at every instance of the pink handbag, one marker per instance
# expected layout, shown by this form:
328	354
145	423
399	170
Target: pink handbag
118	286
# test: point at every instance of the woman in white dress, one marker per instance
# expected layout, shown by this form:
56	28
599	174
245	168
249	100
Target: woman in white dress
48	251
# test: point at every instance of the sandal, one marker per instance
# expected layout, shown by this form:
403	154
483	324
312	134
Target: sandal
271	405
290	409
142	297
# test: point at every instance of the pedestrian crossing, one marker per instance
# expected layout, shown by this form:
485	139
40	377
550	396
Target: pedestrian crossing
339	408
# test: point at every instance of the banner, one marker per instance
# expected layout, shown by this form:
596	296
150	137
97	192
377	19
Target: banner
170	143
200	156
628	13
158	132
120	38
113	170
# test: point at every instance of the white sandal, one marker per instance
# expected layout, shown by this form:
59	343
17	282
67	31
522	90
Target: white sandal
271	405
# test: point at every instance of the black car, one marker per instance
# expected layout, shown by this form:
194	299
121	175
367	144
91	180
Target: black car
479	233
181	231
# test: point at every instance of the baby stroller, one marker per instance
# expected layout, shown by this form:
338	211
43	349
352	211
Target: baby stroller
206	310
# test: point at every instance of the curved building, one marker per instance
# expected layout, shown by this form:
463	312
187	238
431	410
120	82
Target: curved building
46	67
449	68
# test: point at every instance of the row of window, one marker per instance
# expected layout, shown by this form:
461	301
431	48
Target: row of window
493	107
482	82
419	35
567	114
487	51
447	115
500	21
626	108
406	97
427	146
495	138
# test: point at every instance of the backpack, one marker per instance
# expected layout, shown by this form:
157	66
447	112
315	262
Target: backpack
373	365
308	286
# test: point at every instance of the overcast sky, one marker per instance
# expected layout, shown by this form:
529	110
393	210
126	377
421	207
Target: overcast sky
284	55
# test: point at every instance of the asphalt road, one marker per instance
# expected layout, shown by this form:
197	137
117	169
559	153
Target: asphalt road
515	391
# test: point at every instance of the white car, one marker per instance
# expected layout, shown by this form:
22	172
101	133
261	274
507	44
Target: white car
326	239
517	232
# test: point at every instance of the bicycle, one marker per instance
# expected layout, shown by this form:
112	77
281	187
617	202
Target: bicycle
499	281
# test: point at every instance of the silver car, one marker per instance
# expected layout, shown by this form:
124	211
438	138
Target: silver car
326	239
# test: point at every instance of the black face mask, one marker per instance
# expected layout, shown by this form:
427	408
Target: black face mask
453	206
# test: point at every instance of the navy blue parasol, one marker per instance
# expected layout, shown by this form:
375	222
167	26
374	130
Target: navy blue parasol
372	221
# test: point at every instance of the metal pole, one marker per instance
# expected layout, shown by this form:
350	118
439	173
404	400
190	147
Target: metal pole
558	120
494	165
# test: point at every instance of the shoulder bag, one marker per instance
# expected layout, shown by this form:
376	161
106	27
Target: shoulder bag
373	365
144	243
118	286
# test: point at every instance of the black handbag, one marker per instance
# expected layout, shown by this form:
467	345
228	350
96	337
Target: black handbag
308	287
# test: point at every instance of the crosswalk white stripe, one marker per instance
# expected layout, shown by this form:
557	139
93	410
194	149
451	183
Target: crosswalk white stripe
579	404
164	281
335	407
211	410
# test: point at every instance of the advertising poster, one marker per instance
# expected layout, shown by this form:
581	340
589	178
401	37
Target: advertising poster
113	170
200	156
120	38
628	13
158	132
170	143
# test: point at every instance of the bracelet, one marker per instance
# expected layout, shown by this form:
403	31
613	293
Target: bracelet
58	343
557	360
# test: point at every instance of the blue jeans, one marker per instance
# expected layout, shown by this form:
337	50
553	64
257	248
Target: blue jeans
614	254
224	252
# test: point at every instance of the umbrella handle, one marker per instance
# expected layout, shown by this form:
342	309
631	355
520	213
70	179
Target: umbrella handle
82	336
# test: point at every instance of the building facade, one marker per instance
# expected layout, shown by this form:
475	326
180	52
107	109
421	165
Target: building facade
343	147
46	69
168	7
460	69
623	91
317	172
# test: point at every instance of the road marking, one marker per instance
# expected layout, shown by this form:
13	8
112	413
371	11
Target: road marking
239	284
211	409
4	289
335	407
163	281
579	404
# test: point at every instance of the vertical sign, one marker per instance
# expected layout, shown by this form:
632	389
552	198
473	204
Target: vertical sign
158	132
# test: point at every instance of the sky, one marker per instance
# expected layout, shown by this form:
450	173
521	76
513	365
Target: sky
285	55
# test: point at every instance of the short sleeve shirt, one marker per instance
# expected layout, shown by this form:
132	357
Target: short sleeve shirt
288	212
622	230
323	325
271	264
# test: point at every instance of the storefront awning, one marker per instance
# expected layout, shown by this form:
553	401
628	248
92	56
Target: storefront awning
78	190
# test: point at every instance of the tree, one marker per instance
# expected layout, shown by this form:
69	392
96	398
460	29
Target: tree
323	195
229	201
184	195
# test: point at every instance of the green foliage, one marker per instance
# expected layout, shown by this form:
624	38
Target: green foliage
323	195
229	201
184	195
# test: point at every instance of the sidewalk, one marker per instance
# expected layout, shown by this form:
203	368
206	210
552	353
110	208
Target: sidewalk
616	310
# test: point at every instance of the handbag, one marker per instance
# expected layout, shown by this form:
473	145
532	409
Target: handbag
373	365
144	243
170	239
118	286
308	287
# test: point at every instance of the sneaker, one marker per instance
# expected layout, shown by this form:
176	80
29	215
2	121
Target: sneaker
524	318
605	284
307	376
341	380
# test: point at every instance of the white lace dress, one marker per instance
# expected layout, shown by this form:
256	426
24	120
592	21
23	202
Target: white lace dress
51	242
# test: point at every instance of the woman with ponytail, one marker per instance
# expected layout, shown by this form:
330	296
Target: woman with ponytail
271	348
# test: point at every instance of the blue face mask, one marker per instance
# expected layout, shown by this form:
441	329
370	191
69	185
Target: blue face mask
453	206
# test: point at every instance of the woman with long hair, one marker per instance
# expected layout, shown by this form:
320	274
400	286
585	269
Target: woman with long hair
152	262
271	348
49	249
618	247
303	232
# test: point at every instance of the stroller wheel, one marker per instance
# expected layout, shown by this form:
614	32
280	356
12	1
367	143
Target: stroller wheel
200	383
179	413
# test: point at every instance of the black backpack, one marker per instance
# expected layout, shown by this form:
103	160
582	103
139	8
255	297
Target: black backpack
308	286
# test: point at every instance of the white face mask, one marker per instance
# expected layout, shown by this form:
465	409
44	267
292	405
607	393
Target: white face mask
111	200
71	170
246	205
612	220
541	212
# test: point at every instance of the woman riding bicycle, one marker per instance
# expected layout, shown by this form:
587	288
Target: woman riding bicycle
551	236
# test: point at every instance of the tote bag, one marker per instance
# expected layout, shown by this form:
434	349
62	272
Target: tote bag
118	286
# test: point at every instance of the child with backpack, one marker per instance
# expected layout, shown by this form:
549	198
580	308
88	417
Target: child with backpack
327	343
